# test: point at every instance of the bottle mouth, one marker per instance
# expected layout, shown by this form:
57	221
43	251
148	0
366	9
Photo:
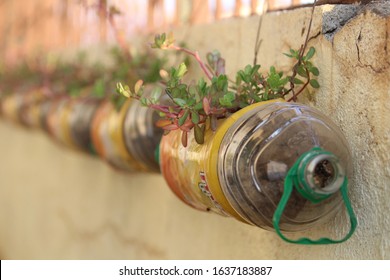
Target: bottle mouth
320	174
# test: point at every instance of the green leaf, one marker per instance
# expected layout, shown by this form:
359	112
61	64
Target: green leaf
202	85
181	70
180	102
294	53
198	106
314	83
248	69
183	118
222	83
308	64
274	80
310	53
224	103
284	81
191	102
156	93
144	101
159	40
193	92
230	96
301	70
315	71
297	81
255	69
121	90
199	134
195	117
138	86
243	76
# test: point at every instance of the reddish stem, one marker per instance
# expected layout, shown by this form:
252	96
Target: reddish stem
197	57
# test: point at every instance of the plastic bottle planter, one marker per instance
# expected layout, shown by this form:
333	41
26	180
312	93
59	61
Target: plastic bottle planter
57	120
12	104
44	110
107	137
21	107
69	122
29	111
9	107
276	165
127	139
82	111
142	137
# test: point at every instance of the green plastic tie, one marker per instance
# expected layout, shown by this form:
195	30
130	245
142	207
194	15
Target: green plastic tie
290	182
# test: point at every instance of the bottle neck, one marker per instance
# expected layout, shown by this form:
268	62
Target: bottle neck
319	174
316	175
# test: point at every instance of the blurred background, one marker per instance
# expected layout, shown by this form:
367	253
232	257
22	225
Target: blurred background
34	27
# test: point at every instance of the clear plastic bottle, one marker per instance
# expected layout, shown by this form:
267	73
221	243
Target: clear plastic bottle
127	138
141	135
22	105
82	111
57	119
108	136
274	164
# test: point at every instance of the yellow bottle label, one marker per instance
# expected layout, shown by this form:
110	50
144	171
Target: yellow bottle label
192	172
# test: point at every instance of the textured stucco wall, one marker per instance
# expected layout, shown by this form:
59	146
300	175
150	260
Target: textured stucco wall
56	203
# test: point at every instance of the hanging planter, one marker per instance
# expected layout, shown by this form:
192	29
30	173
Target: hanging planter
10	107
57	120
108	139
276	165
126	138
44	110
69	121
238	149
79	121
29	109
22	106
141	136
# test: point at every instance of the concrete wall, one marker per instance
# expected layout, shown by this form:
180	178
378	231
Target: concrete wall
58	204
